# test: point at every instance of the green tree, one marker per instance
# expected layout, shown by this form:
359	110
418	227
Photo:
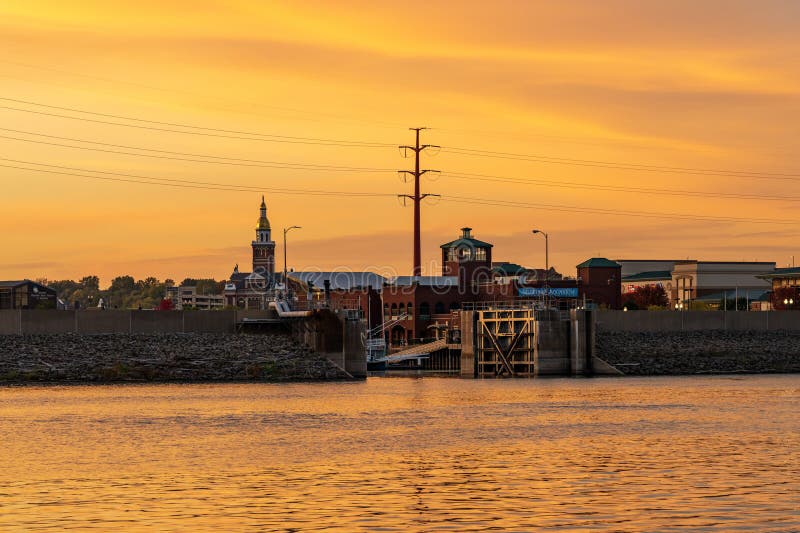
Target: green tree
90	282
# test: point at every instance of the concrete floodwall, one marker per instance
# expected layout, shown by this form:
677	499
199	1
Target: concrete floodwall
552	353
209	321
43	321
661	321
10	322
96	322
251	314
156	321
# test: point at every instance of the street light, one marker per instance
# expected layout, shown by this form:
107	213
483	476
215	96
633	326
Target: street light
285	272
788	301
546	263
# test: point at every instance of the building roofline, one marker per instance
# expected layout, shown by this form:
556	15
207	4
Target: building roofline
687	262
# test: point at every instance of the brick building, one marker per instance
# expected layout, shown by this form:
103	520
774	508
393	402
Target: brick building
418	306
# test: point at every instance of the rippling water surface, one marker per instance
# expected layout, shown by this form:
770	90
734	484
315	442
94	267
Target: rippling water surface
404	454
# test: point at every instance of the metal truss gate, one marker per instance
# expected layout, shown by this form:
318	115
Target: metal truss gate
505	343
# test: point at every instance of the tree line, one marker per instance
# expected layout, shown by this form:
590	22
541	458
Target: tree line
124	292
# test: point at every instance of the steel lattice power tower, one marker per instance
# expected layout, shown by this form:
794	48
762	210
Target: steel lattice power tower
417	197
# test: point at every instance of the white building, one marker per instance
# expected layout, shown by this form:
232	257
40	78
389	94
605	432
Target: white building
699	279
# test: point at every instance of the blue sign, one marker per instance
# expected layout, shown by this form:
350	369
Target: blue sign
556	292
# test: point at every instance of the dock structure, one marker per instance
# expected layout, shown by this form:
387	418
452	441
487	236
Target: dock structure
505	343
525	343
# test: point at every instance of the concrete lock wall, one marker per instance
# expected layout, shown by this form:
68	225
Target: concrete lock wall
663	321
580	348
249	314
10	322
98	322
43	321
156	321
209	321
353	350
552	353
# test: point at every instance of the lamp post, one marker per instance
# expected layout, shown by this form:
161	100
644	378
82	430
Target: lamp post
546	264
285	271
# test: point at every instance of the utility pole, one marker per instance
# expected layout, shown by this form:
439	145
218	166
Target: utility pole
417	197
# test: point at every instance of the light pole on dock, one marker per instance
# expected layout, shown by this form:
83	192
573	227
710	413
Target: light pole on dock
546	264
285	270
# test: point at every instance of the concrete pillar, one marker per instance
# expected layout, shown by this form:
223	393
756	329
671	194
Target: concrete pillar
552	353
354	353
581	342
469	362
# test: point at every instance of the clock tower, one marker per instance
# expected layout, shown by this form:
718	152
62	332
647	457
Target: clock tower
263	246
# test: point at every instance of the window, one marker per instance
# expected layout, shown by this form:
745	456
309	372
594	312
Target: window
424	310
410	310
394	310
439	308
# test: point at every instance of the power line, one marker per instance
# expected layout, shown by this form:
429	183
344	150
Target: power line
260	137
168	182
331	116
612	164
180	125
193	184
260	164
617	188
337	168
263	137
614	212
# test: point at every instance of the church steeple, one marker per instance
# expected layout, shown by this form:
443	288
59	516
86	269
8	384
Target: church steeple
263	246
263	221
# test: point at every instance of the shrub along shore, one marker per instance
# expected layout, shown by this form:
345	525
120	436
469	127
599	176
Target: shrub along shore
170	357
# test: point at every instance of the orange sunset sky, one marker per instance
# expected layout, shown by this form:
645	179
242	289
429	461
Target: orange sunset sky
682	84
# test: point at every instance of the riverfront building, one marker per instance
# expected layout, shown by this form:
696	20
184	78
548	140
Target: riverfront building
186	297
713	281
26	294
785	294
709	282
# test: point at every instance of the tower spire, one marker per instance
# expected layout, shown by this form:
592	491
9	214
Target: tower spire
263	246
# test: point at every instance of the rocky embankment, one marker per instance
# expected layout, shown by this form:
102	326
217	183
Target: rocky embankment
700	352
160	357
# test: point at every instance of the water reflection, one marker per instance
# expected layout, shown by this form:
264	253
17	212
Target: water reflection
709	453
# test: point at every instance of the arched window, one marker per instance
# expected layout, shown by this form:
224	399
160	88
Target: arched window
454	306
386	310
424	310
394	310
401	309
410	310
438	308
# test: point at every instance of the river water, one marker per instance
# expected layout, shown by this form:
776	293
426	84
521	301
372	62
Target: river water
403	454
